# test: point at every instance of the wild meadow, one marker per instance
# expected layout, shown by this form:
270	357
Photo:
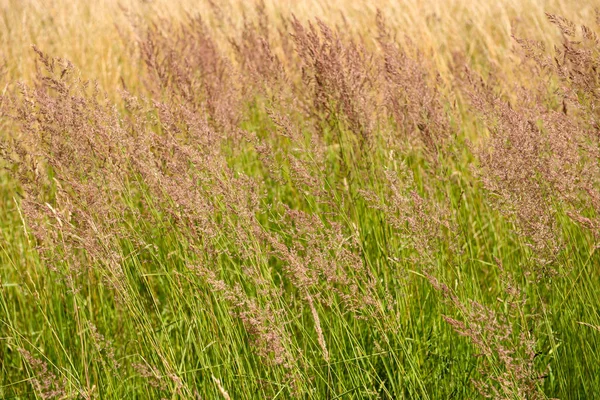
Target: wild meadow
312	200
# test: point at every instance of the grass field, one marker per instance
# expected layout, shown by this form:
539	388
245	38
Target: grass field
313	199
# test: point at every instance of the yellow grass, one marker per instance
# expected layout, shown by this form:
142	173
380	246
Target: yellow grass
87	32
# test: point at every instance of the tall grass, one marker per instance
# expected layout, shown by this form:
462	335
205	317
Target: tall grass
246	201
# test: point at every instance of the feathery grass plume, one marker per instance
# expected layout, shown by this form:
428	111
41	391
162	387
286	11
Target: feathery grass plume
151	375
68	155
324	261
306	157
318	329
221	388
421	222
340	75
573	66
270	339
45	383
505	339
76	187
170	382
185	64
411	96
540	158
255	54
531	160
104	347
576	65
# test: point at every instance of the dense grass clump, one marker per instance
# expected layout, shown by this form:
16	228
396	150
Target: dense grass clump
249	202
